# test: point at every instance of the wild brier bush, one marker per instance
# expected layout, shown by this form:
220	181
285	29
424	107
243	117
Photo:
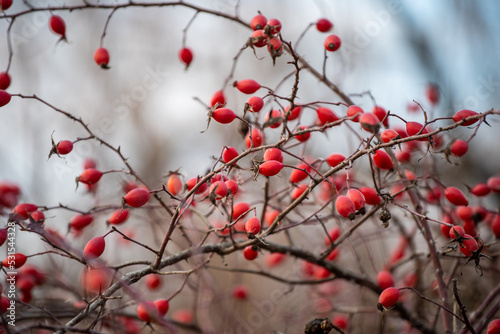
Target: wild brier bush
336	231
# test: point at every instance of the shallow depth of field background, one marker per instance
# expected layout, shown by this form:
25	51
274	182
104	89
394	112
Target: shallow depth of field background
145	102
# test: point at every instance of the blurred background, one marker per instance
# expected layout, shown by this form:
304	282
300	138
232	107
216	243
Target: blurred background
145	103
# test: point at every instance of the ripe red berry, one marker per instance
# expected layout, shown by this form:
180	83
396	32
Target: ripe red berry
253	226
371	196
456	231
38	216
493	327
239	209
389	297
333	234
480	189
274	25
464	212
304	136
381	114
14	261
273	154
4	97
470	243
382	160
94	248
95	279
79	221
218	190
64	147
369	122
270	216
247	86
240	292
345	207
5	4
101	57
218	98
259	39
462	114
186	56
432	93
4	80
495	225
153	281
223	115
256	140
357	198
355	111
258	22
294	113
324	25
89	176
273	118
455	196
413	128
147	311
57	25
162	305
249	253
136	197
255	103
334	159
494	184
459	148
89	163
275	47
192	182
388	135
332	43
174	184
274	259
118	217
23	210
229	153
232	186
300	173
341	321
326	115
385	279
298	191
270	168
